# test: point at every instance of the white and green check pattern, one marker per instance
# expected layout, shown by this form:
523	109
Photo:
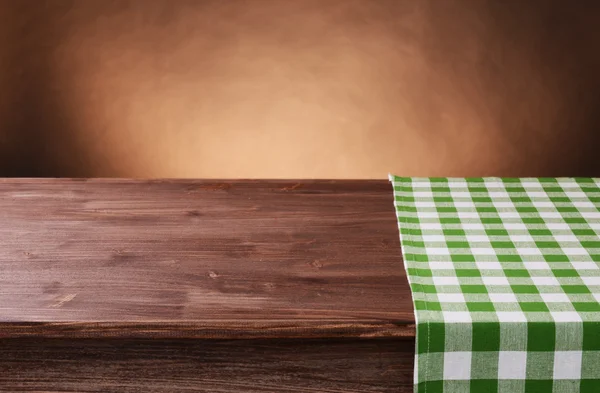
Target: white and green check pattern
505	277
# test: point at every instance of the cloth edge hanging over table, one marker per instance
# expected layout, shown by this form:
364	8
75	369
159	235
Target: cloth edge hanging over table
516	262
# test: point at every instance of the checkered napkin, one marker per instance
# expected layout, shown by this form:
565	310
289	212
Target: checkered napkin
505	277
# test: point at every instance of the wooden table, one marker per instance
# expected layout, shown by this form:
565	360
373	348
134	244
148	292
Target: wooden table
211	286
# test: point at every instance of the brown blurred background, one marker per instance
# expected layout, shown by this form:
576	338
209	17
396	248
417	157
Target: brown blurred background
299	88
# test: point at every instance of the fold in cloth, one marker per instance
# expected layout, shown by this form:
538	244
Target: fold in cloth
505	278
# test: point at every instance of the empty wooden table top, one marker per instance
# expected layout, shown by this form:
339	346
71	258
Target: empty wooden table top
212	286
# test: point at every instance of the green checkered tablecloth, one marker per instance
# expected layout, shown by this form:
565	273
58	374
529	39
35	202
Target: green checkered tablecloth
505	278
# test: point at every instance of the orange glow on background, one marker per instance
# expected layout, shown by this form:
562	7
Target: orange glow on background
298	89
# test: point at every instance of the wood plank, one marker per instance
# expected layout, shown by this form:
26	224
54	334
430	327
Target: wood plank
60	365
204	259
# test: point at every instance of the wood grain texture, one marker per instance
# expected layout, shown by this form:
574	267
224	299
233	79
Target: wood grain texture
59	365
200	259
